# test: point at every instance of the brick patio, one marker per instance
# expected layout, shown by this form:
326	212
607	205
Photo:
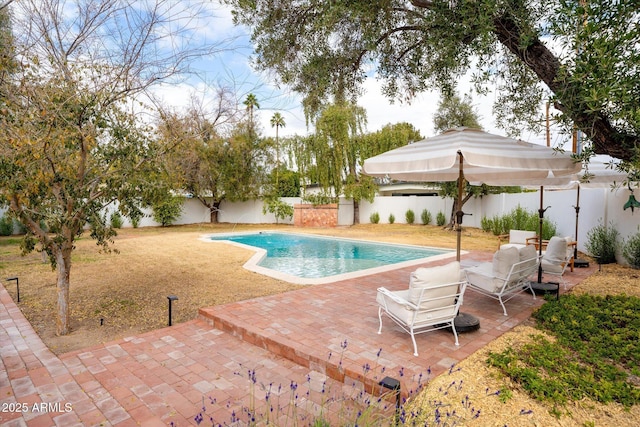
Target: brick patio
275	356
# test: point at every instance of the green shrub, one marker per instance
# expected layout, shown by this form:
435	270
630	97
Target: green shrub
276	206
374	218
440	219
6	226
166	211
485	224
518	219
116	219
602	243
593	355
410	216
425	216
392	218
631	250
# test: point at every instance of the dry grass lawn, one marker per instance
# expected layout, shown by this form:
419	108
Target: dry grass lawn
115	295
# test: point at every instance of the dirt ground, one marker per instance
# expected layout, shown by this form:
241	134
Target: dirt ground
123	293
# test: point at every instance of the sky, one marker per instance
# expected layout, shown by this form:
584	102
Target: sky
232	67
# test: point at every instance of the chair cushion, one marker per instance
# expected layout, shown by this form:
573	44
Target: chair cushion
503	260
520	236
569	240
442	312
428	277
529	254
551	267
556	250
482	276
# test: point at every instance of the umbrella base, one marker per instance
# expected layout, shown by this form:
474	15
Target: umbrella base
543	288
580	263
464	322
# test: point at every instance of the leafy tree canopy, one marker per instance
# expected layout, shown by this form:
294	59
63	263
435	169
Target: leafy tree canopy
583	55
70	143
212	154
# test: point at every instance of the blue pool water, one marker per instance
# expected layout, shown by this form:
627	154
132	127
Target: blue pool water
317	257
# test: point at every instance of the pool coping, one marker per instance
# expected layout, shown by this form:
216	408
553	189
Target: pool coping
256	258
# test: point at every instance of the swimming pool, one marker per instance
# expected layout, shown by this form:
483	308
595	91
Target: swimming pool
308	259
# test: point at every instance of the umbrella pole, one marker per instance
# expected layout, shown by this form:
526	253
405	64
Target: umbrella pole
539	286
577	207
541	217
458	208
578	262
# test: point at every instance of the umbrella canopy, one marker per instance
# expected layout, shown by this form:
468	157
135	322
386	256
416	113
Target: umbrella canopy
474	155
486	158
599	172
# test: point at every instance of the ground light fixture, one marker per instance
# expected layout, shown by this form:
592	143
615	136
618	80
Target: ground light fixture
171	298
9	279
393	385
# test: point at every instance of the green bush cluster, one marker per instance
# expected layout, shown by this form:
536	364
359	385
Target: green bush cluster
374	218
631	250
116	219
518	219
594	355
392	218
6	226
441	219
425	216
167	210
602	243
410	216
278	207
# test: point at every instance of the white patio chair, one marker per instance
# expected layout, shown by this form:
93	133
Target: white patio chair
557	257
506	276
430	303
517	239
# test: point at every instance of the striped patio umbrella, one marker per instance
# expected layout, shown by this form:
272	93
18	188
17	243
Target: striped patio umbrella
599	172
474	155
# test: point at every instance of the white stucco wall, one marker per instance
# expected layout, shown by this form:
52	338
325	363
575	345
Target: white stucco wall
597	206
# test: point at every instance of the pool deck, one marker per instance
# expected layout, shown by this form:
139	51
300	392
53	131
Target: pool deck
287	351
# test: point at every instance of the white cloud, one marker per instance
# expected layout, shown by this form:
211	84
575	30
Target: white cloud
232	67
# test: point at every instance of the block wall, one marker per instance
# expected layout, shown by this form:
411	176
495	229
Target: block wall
315	216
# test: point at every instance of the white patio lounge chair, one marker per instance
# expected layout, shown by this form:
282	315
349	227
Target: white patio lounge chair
557	257
430	303
506	276
517	239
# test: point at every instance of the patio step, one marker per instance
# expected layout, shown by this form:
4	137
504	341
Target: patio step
279	345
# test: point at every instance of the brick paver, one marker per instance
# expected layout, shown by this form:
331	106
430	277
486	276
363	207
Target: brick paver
280	357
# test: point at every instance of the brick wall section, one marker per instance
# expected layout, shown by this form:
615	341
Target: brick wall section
305	215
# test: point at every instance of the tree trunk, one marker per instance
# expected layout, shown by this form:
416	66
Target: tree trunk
539	59
63	267
356	212
213	212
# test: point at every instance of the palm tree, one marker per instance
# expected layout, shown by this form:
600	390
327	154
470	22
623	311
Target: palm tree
277	121
251	102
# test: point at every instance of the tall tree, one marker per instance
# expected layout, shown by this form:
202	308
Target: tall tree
209	165
455	112
278	122
71	143
334	150
584	55
251	104
361	187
